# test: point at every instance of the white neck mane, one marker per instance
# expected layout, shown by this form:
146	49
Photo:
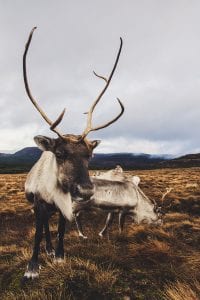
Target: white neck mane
42	180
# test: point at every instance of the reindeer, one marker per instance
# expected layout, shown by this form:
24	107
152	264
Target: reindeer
119	196
61	174
116	174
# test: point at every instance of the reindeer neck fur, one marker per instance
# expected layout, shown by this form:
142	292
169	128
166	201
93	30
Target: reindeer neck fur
42	181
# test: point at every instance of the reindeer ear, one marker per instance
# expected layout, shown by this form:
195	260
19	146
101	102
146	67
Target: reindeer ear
95	143
44	143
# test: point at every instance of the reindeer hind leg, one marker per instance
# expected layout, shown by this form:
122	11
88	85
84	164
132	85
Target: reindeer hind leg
108	223
122	216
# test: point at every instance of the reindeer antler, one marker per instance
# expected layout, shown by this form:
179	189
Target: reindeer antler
60	117
168	190
89	127
39	109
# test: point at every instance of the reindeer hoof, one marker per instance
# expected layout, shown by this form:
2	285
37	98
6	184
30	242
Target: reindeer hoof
59	260
50	252
32	271
83	236
101	235
31	274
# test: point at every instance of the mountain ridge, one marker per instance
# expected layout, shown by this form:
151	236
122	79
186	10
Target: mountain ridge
23	160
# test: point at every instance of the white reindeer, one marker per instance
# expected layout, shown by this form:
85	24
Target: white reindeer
119	196
122	197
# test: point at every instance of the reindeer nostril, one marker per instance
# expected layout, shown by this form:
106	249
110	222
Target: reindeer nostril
84	191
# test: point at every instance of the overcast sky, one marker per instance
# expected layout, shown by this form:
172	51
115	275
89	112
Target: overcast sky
157	79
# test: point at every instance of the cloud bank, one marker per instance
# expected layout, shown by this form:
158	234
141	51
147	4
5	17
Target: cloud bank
158	77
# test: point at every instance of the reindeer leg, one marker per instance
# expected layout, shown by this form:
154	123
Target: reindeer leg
79	225
122	216
32	271
49	248
109	221
59	255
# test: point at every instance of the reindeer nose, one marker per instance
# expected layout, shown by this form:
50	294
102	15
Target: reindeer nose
85	191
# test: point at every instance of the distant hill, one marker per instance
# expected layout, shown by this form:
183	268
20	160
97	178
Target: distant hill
20	161
125	160
29	153
23	160
186	161
3	154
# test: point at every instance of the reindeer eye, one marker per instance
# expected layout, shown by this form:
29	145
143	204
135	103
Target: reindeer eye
59	155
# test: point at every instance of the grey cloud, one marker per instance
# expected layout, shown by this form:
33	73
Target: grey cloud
158	77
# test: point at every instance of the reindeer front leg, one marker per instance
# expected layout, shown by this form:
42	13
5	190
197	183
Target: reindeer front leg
32	271
77	217
59	254
49	248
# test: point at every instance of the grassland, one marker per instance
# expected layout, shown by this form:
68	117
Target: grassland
143	263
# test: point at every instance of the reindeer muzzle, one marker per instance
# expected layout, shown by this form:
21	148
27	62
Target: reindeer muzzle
83	192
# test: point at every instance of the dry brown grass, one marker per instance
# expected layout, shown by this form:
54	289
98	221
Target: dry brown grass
144	263
182	290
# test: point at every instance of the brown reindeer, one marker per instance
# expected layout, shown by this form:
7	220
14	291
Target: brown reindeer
61	174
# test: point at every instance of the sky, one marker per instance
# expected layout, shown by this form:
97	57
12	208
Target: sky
157	78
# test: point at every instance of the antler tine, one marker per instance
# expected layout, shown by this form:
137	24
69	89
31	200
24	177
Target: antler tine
168	190
109	122
89	119
39	109
102	77
57	121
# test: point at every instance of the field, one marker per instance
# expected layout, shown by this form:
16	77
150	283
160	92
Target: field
143	263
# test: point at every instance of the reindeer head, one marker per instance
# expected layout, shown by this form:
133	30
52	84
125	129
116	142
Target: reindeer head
159	211
71	152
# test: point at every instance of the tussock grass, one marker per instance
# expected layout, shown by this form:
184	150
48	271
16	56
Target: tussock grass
144	263
183	290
